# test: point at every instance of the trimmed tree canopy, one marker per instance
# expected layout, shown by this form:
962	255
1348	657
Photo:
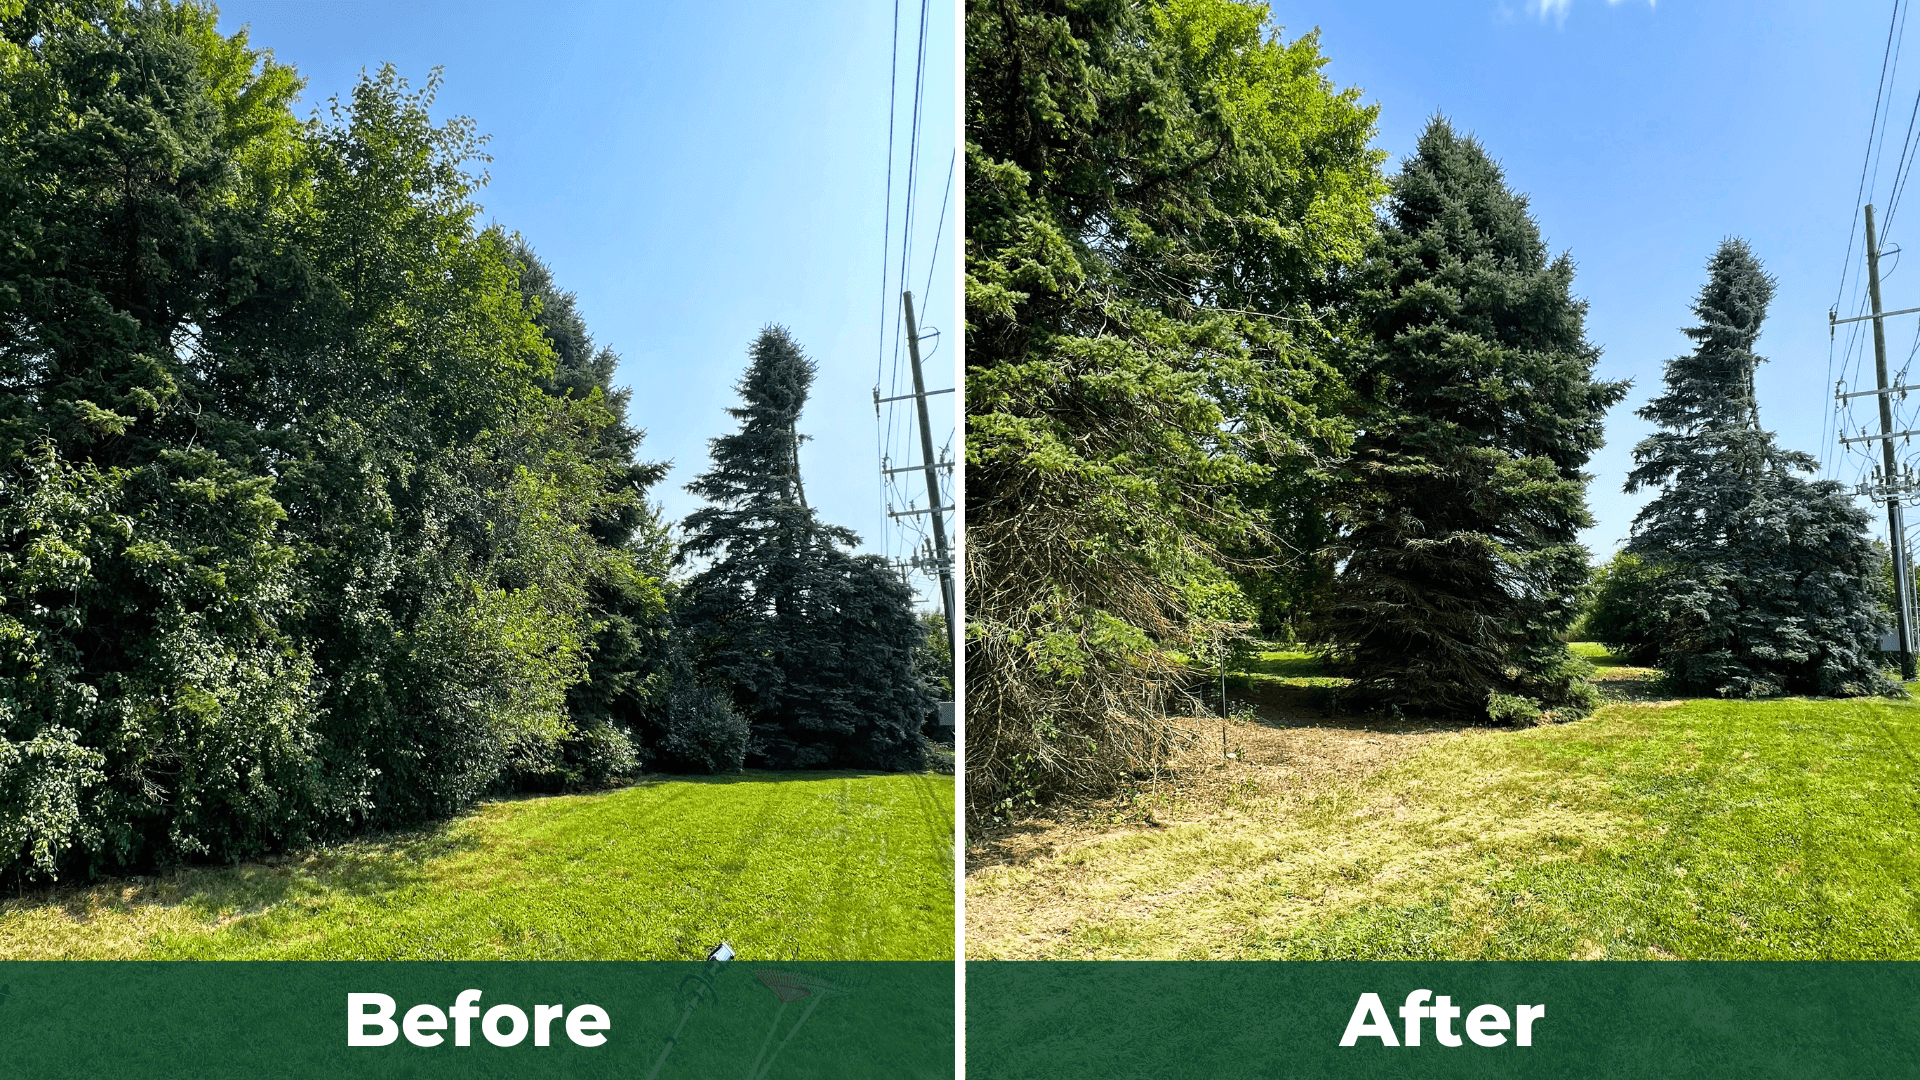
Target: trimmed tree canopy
1159	198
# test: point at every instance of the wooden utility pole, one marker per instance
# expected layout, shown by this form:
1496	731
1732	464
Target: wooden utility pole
1896	529
943	559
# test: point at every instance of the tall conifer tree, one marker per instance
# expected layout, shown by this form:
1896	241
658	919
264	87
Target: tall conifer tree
1458	565
1768	581
1162	202
815	645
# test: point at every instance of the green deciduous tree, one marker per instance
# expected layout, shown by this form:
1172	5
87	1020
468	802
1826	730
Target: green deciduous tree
1159	199
1768	582
300	529
1457	562
629	650
814	647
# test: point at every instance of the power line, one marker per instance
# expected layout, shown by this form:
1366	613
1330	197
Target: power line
886	215
940	226
1859	196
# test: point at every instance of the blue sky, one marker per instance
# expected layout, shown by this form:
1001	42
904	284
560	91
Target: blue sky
1646	133
693	172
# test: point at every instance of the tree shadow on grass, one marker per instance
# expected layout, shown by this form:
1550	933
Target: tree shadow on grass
768	776
217	893
1284	706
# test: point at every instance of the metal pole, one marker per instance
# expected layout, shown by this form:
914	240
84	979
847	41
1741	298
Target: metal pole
1896	537
942	558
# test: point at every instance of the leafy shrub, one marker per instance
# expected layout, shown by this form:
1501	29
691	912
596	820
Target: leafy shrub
702	732
1624	611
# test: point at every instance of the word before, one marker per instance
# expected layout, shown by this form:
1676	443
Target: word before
1484	1024
370	1022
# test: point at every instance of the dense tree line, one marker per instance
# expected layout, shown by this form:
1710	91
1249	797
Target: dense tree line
1224	378
318	510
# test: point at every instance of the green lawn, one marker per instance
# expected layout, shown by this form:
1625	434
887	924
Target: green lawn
1696	829
835	866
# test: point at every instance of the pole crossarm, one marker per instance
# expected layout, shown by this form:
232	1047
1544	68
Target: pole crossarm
1901	389
947	465
915	513
1886	491
1831	321
1888	435
878	400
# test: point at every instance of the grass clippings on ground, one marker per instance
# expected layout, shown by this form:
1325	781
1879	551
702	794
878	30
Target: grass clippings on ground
1657	828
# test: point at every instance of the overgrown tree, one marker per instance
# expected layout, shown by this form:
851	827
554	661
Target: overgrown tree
1768	582
1458	565
815	647
609	709
297	535
1159	198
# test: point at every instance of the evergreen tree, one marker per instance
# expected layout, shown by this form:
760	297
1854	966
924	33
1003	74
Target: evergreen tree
1457	561
610	707
814	646
1767	580
1160	199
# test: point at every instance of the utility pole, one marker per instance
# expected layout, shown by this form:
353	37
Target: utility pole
943	559
1891	486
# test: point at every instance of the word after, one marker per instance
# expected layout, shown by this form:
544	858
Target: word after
1487	1025
370	1022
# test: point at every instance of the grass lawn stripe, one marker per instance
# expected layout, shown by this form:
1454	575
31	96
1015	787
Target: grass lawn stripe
785	866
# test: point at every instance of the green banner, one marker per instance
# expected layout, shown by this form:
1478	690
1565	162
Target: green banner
1271	1020
668	1021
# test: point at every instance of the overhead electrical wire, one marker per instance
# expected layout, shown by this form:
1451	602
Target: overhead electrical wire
1852	354
894	425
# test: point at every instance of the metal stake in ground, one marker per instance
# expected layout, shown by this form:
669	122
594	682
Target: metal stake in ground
701	984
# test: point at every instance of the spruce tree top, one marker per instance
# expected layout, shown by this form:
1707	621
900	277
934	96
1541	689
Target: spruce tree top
754	485
1481	336
1712	450
1711	388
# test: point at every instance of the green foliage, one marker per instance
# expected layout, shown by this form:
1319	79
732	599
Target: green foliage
300	529
1457	565
1160	200
932	659
815	647
1767	581
1620	614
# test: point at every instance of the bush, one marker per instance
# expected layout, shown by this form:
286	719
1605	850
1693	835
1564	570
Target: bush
1623	613
702	732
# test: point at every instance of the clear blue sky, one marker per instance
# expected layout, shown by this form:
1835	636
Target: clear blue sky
693	172
1644	134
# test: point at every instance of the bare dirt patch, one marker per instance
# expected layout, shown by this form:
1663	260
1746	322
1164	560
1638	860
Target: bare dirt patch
1279	742
1269	821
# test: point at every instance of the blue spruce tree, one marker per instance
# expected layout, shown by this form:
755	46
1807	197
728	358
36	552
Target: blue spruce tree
813	645
1768	582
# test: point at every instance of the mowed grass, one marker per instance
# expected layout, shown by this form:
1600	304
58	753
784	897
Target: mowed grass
1693	829
836	866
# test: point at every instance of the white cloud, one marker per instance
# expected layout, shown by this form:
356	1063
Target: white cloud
1557	9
